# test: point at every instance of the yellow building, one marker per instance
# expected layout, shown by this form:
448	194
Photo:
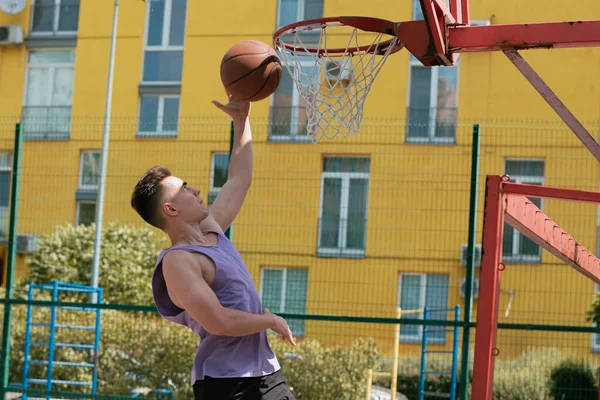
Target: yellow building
352	227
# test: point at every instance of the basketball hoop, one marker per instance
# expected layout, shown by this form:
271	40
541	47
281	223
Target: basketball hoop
333	62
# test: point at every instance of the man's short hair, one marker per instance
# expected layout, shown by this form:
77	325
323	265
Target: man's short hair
147	195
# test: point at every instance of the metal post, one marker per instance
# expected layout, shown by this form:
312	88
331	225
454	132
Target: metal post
464	360
12	253
229	231
489	290
104	154
396	347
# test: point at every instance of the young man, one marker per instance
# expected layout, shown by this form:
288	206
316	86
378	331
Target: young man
202	282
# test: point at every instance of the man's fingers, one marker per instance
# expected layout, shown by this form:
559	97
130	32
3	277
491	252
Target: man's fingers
218	105
290	337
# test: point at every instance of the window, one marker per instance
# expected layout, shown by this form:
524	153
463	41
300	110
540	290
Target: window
417	291
55	17
48	94
432	104
159	115
288	111
86	212
284	290
89	170
596	336
5	180
343	212
165	31
516	247
218	174
89	179
433	100
290	11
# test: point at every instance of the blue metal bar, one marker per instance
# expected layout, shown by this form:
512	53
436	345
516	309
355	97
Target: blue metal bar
423	351
455	355
63	363
71	345
59	382
96	344
51	341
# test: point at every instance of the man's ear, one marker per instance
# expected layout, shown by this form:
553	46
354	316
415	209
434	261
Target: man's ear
169	209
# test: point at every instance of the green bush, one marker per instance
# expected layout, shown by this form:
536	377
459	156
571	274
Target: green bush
573	380
315	372
525	377
409	369
136	350
127	259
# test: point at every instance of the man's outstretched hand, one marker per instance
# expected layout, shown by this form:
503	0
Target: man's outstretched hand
281	327
236	109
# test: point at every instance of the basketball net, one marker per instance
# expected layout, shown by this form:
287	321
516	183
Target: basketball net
333	83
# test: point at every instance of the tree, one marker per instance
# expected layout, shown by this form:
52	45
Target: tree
127	259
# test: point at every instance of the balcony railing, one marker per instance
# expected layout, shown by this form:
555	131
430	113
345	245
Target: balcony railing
287	121
51	18
46	122
342	237
431	124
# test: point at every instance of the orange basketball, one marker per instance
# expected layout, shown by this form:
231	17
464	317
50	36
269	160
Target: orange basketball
250	70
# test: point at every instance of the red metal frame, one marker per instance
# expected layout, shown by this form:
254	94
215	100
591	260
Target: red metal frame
507	202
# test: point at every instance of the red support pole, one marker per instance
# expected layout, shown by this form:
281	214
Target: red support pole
553	101
489	293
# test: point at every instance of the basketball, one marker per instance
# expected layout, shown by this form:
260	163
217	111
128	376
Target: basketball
250	70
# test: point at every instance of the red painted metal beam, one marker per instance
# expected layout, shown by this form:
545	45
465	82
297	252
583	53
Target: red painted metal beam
549	192
546	35
489	292
552	99
528	219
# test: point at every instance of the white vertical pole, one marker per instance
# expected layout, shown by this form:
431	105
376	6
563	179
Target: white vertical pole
104	154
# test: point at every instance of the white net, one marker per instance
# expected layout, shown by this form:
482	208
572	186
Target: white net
333	83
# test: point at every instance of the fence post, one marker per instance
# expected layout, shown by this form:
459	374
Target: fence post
464	358
12	253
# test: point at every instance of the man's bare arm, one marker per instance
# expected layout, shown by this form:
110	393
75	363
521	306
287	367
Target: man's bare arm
183	275
231	196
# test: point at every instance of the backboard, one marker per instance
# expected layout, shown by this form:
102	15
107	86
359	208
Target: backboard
438	16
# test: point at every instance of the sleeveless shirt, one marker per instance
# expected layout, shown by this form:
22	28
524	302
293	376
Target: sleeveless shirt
221	356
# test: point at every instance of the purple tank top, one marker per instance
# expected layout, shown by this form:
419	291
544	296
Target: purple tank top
221	356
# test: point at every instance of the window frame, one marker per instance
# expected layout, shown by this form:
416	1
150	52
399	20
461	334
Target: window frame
78	210
160	114
81	185
414	63
422	304
212	188
595	336
294	133
300	11
53	67
341	250
283	292
55	21
51	134
5	210
516	257
164	46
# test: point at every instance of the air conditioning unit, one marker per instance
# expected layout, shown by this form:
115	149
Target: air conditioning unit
463	284
27	244
10	34
463	254
339	70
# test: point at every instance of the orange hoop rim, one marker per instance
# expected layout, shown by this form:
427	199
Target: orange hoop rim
367	24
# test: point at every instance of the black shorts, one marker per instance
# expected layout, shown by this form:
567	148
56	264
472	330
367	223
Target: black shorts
269	387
